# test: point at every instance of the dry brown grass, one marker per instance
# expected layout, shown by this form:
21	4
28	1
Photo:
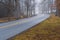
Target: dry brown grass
47	30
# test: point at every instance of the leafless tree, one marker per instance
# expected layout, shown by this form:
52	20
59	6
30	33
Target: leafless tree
30	4
57	3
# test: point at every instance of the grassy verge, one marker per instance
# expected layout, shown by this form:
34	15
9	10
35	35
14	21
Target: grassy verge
46	30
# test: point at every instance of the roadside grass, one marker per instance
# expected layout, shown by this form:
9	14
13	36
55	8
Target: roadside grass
46	30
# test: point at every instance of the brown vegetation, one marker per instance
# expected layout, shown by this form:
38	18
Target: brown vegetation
46	30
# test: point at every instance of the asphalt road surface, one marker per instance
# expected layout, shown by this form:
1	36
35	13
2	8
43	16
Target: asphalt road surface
12	28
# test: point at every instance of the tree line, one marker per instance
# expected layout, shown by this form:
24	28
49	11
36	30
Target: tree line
19	8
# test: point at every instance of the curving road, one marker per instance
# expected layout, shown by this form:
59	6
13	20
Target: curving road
12	28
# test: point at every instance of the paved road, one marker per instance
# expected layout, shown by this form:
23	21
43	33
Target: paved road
12	28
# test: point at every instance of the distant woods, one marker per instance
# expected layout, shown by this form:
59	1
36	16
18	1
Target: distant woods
17	8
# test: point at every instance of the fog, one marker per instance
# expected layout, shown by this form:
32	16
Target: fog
37	6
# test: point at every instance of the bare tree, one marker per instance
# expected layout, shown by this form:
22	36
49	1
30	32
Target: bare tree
27	5
57	3
30	4
32	7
